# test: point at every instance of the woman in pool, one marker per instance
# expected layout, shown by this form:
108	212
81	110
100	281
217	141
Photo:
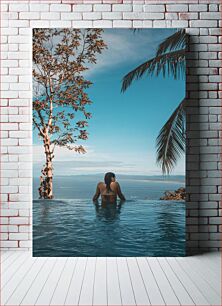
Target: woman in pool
108	190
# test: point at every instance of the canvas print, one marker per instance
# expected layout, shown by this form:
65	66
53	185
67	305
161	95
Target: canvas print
108	142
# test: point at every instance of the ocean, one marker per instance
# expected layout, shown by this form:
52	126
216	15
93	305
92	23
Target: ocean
72	225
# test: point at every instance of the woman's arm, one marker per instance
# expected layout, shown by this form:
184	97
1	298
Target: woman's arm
119	193
97	194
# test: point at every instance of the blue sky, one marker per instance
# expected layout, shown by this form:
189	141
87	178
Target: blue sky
124	126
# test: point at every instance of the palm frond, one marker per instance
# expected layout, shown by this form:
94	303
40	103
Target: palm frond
170	143
171	63
173	42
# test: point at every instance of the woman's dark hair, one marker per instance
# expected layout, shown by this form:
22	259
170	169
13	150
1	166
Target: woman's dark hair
108	179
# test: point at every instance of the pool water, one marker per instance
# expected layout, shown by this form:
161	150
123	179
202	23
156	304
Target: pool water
78	227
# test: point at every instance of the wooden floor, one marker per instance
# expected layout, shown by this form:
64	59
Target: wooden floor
110	281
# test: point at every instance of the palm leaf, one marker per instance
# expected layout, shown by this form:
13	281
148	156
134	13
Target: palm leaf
170	143
171	63
173	42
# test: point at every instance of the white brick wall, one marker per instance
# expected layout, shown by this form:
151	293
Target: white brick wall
203	175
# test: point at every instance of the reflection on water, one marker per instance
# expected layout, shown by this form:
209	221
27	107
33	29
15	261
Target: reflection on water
108	212
132	228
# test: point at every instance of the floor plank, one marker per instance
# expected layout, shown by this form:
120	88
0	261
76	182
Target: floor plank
13	270
47	291
213	279
208	292
17	278
127	293
181	293
113	285
75	286
86	294
190	286
11	261
211	261
139	288
17	296
110	281
152	287
166	289
100	283
5	255
37	285
61	290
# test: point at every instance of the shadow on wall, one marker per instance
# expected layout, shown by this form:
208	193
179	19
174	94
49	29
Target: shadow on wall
193	142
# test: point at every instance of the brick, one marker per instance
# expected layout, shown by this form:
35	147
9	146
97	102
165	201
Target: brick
18	23
18	236
214	47
29	15
180	23
8	244
207	15
162	23
208	39
9	31
188	16
82	8
208	212
4	7
9	212
25	244
70	16
9	63
215	63
122	23
94	15
39	23
137	7
102	7
215	31
135	15
39	7
154	8
82	24
203	23
208	205
197	7
24	229
111	15
19	220
147	24
213	7
102	24
171	16
3	220
19	118
9	126
60	8
18	7
9	228
19	71
199	236
177	8
215	236
121	7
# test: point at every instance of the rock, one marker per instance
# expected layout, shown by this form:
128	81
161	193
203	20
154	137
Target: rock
176	195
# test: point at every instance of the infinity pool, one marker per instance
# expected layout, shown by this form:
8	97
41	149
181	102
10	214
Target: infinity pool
134	228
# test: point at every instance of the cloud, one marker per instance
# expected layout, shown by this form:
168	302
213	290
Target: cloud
69	163
123	44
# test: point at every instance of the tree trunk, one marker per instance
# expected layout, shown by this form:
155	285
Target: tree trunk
46	181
